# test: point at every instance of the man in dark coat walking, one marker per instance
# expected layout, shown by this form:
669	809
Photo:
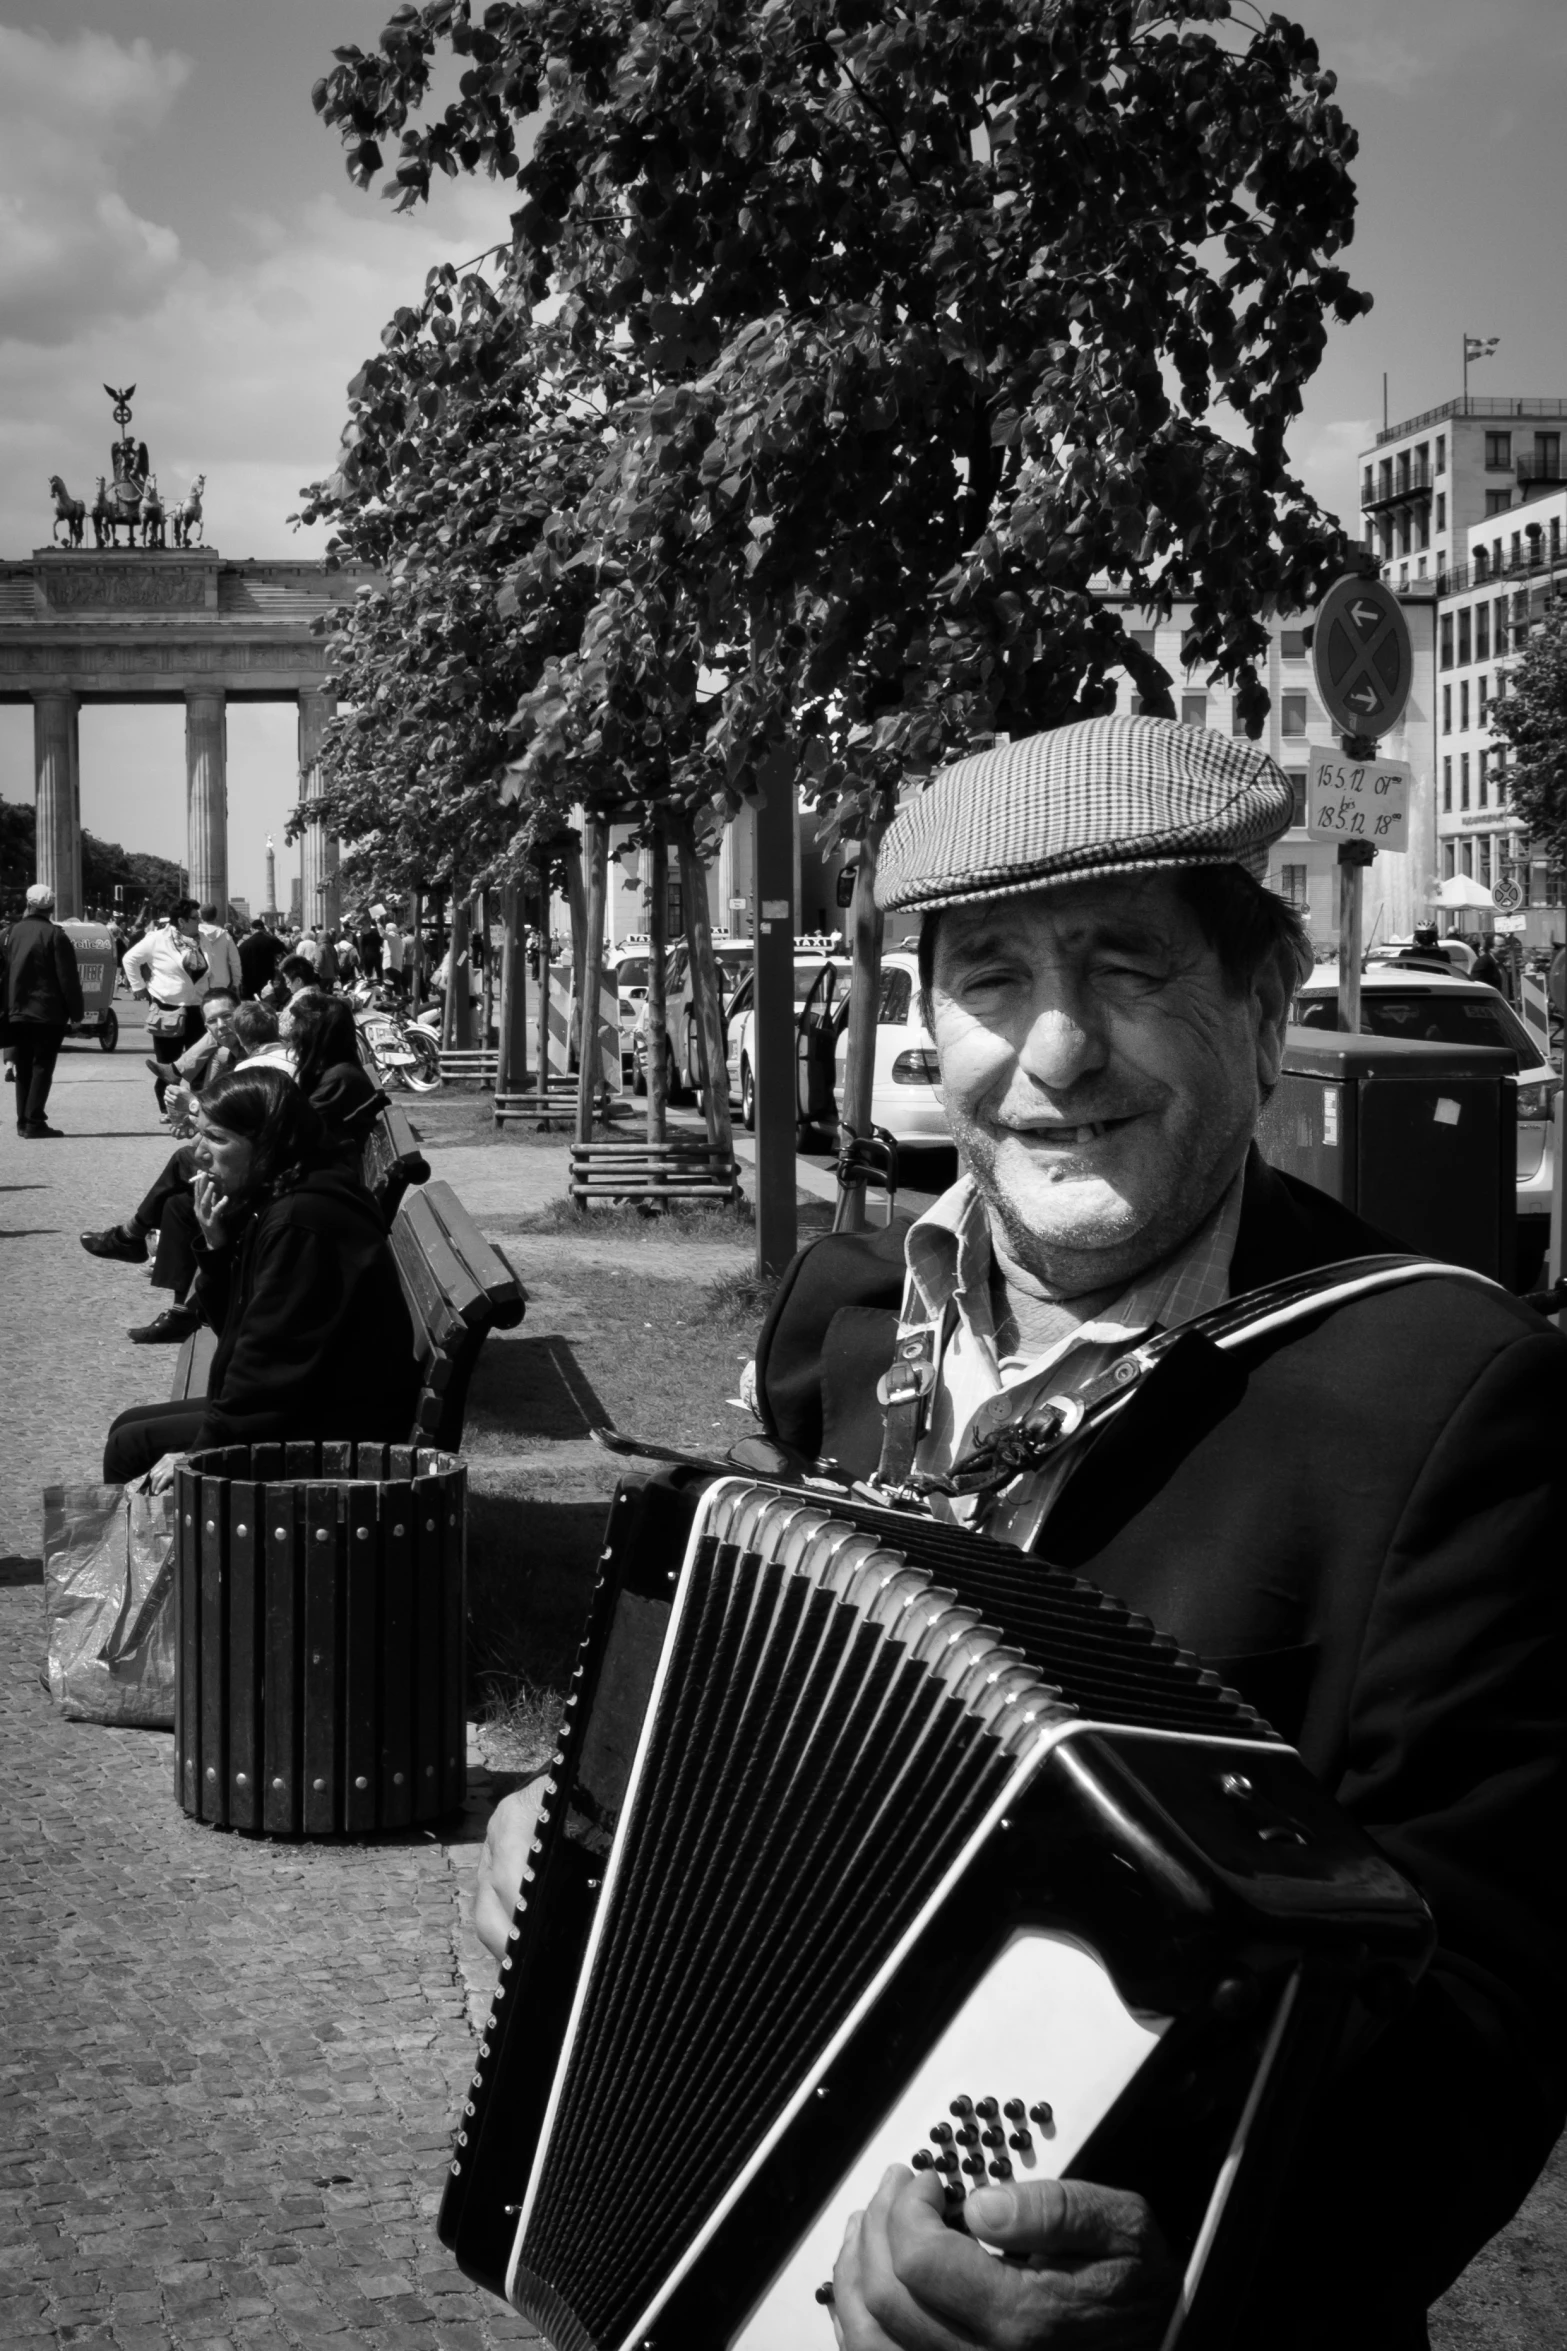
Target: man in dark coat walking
1357	1521
43	996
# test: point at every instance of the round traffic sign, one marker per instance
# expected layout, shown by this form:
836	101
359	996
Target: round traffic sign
1361	655
1507	896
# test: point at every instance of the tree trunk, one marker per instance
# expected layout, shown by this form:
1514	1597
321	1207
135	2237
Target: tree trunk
657	957
481	931
544	984
589	1076
511	1065
865	935
704	992
576	902
457	1020
413	951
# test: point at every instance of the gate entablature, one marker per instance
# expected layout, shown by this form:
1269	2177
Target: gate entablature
166	625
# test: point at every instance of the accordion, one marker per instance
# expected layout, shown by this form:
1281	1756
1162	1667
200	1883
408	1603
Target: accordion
872	1841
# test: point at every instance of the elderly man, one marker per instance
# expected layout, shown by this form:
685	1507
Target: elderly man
1357	1521
40	994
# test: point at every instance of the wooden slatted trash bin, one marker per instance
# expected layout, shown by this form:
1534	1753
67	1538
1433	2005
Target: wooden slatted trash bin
321	1619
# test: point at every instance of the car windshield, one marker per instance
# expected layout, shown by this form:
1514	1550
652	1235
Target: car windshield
897	994
631	971
1437	1019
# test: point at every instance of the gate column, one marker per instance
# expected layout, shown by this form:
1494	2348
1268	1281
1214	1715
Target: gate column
58	800
318	888
207	797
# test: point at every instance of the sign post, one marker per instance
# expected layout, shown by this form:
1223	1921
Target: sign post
1364	665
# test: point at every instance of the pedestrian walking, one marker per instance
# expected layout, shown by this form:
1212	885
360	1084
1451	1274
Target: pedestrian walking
260	953
393	954
168	969
42	996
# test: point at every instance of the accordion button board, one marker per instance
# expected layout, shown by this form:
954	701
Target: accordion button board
873	1842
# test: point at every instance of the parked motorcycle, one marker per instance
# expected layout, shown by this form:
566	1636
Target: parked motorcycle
396	1050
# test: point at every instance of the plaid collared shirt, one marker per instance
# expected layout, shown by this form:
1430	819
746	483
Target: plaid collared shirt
949	1284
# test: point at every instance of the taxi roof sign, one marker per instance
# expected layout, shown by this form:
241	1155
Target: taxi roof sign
1361	656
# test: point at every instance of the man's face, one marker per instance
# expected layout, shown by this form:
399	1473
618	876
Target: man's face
217	1018
1100	1078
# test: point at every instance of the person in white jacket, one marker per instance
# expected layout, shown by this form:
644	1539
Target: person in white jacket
168	969
222	955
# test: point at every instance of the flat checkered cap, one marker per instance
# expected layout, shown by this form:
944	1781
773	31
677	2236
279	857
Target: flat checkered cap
1105	795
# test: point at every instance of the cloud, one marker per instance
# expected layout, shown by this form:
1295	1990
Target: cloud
70	245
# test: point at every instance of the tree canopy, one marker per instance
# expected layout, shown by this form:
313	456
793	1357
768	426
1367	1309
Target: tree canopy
841	358
105	865
1531	718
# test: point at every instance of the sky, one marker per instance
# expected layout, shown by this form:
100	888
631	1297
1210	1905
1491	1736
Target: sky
173	215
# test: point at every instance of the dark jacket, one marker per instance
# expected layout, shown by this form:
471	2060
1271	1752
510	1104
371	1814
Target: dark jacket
314	1334
1359	1522
42	983
260	953
347	1101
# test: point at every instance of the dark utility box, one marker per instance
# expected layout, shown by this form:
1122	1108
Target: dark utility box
1421	1140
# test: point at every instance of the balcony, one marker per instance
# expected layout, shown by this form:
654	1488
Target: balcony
1415	484
1541	469
1464	576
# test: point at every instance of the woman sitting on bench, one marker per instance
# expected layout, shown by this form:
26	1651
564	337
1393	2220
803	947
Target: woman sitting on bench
334	1081
297	1278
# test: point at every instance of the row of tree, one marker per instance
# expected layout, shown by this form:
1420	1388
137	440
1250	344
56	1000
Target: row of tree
844	353
105	866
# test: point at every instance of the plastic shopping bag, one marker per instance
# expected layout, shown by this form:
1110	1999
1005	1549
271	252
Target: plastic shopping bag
109	1597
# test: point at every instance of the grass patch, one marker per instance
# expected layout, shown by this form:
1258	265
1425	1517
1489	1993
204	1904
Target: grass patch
681	1220
741	1297
518	1720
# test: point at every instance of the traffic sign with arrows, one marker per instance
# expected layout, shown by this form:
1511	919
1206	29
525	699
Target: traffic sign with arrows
1361	655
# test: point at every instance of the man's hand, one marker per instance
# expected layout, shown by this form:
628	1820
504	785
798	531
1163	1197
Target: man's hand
1085	2266
161	1475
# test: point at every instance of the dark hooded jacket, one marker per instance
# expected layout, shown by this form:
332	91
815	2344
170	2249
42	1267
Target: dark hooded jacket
314	1335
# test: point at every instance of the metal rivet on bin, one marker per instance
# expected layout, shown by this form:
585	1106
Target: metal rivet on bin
361	1534
322	1534
212	1771
240	1781
318	1785
429	1771
399	1528
429	1525
187	1518
281	1533
242	1529
397	1779
315	1657
361	1783
212	1526
277	1783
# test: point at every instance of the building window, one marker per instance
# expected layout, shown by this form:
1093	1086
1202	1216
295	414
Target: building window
1466	856
1294	708
1447	710
1516	556
1482	565
1447	640
1501	626
1463	708
1482	700
1237	723
1482	632
1441	452
1144	640
1423	461
1385	479
1484	847
1292	887
1447	789
1449	859
1292	644
1194	710
1295	777
1498	501
1463	781
1420	569
1556	536
1367	487
1463	638
1482	781
1441	510
1498	452
1423	527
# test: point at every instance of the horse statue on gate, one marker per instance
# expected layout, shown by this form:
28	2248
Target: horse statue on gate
185	518
68	510
152	530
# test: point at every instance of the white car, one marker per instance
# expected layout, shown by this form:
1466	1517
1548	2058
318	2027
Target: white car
1408	1002
906	1087
813	972
733	959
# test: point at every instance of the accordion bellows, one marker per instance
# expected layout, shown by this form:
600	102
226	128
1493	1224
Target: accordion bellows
874	1841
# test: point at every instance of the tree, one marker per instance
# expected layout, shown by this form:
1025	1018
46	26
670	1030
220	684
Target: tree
105	866
906	330
1531	718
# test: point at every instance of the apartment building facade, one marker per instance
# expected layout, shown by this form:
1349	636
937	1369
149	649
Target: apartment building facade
1467	504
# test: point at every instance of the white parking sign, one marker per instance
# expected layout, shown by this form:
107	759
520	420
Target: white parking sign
1358	800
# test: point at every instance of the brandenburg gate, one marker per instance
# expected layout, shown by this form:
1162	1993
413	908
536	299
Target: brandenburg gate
176	625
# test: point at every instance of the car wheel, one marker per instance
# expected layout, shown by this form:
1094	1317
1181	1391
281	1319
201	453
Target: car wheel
109	1034
747	1098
